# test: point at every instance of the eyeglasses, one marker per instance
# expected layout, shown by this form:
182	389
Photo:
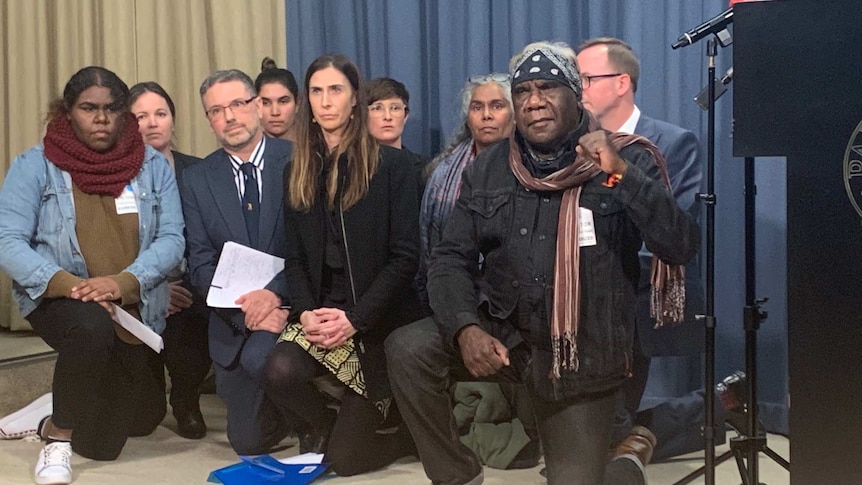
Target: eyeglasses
588	80
377	110
218	112
497	77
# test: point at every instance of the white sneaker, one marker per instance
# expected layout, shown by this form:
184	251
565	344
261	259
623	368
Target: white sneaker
25	421
54	467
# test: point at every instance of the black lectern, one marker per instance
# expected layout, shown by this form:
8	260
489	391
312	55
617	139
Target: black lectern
798	93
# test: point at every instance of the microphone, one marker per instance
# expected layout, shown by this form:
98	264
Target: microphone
711	26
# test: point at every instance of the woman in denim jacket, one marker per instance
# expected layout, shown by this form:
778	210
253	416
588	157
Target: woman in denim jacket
90	219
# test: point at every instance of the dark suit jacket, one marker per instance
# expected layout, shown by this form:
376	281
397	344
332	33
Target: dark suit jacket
183	162
382	236
682	153
213	216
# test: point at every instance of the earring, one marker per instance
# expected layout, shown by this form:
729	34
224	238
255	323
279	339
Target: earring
351	116
314	120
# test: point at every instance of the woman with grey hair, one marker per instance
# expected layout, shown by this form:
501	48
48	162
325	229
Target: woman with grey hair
486	108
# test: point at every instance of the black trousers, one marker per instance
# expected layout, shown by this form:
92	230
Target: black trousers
355	446
575	434
103	387
186	356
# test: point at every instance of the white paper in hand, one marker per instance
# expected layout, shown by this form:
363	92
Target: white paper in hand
240	270
137	328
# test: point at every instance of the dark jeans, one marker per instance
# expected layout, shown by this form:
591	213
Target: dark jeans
254	423
186	356
355	446
630	394
575	434
103	388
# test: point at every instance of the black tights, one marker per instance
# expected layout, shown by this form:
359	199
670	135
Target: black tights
354	445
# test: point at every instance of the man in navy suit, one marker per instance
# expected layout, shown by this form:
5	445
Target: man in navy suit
235	194
610	71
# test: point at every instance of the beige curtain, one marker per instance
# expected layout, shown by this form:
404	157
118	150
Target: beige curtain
174	42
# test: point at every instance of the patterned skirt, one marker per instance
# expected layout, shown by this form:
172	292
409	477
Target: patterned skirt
342	361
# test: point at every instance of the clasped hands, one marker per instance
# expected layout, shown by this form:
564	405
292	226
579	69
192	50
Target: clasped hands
326	328
262	310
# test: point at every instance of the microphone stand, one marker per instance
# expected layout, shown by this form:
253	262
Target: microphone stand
708	318
751	441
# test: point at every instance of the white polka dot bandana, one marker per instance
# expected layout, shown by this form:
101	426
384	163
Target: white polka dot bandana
542	63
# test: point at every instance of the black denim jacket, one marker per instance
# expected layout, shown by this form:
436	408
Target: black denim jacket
510	293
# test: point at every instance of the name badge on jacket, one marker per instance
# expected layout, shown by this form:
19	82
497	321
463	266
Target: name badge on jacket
126	203
586	228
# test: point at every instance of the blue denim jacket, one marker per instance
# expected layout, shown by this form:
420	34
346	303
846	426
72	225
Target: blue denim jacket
38	239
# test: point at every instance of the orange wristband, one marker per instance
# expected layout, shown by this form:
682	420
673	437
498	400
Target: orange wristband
613	180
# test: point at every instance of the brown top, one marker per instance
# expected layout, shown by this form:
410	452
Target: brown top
109	244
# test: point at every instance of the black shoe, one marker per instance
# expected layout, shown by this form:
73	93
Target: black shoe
313	442
733	392
190	424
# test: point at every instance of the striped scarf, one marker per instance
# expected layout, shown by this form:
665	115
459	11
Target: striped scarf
443	189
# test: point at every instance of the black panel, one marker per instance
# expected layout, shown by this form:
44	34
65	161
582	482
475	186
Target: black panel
798	93
796	73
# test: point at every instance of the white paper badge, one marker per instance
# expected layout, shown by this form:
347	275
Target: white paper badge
126	203
586	228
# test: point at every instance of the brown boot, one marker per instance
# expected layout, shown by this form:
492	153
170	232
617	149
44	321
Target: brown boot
640	442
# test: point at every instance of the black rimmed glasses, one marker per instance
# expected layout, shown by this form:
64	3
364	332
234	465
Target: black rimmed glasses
588	80
218	112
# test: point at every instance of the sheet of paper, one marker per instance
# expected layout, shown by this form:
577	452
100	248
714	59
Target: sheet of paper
138	329
303	459
240	270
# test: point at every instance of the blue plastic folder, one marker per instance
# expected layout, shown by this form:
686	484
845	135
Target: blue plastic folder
266	470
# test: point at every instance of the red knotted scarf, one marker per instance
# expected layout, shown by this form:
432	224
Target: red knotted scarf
102	173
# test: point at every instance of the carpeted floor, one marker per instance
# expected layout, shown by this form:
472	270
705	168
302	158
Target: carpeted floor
165	458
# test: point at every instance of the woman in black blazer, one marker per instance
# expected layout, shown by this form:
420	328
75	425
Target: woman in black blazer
351	211
186	355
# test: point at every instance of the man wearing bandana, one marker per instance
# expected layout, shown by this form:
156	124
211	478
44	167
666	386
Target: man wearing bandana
557	213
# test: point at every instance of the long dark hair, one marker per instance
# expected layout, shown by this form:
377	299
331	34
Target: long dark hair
311	151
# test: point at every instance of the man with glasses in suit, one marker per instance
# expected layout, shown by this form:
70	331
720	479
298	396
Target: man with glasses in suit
235	194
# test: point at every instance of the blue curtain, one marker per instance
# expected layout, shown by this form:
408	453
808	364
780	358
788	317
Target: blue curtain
434	46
